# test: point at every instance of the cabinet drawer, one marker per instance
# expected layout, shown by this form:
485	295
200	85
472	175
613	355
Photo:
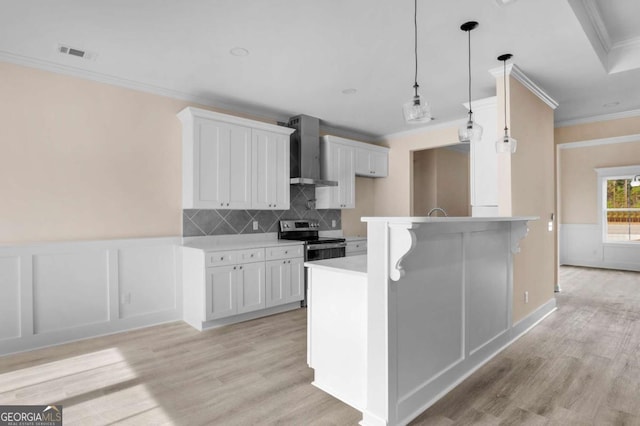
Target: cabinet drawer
284	252
221	258
354	247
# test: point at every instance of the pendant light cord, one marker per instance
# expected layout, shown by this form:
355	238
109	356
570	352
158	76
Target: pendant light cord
415	44
470	111
504	81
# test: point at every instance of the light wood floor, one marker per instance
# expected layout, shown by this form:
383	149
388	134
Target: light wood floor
580	366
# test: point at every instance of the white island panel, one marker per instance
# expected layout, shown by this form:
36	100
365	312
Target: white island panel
435	306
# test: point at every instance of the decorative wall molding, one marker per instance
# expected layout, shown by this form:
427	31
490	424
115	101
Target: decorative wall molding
598	142
518	74
61	292
598	118
519	230
402	240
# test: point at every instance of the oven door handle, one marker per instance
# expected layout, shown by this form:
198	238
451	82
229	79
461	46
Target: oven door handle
325	246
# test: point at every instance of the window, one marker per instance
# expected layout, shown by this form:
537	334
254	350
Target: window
622	210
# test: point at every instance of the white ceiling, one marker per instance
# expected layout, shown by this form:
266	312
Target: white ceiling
303	53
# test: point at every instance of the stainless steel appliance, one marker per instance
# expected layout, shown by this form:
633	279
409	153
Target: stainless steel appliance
315	247
305	152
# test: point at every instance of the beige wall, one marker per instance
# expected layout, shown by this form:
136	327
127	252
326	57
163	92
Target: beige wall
393	195
453	182
533	194
425	183
578	180
598	130
85	160
440	179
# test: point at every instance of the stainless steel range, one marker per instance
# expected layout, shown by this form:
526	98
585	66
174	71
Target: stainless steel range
315	247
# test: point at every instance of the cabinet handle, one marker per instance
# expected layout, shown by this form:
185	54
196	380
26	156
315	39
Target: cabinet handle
240	267
221	204
284	261
227	204
221	257
251	254
234	268
288	261
286	252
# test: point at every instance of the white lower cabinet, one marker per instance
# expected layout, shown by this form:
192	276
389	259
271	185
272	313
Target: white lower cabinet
235	289
226	286
285	281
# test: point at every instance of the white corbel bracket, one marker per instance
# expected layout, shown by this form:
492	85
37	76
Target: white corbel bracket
402	240
519	230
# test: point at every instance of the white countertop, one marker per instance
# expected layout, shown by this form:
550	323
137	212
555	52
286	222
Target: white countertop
352	264
239	242
355	238
449	219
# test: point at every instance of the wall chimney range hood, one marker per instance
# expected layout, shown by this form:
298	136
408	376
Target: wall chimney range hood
305	152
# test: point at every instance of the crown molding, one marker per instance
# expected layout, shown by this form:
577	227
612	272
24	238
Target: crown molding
598	118
599	142
262	114
478	104
518	74
423	129
597	23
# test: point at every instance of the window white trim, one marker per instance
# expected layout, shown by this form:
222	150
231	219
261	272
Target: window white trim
604	174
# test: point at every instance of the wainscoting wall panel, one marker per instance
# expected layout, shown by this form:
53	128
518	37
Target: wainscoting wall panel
70	290
582	245
10	297
58	292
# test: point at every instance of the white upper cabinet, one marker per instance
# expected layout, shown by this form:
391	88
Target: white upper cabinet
270	164
337	163
233	163
372	161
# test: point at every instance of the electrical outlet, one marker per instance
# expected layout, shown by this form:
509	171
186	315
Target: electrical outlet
333	223
255	225
526	297
550	226
125	299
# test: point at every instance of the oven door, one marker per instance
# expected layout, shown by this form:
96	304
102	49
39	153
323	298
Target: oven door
325	251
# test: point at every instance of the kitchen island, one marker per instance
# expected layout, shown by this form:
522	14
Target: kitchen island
431	303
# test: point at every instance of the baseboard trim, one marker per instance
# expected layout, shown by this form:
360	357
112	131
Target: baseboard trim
248	316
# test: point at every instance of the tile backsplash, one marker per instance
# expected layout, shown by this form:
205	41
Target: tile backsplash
196	223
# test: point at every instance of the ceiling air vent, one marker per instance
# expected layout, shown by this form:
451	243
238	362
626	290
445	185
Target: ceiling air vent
72	51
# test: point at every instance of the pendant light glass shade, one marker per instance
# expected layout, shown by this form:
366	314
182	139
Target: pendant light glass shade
506	144
470	131
635	181
417	110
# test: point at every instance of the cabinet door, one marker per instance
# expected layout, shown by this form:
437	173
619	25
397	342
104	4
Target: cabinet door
379	163
339	166
270	171
297	279
251	287
240	169
363	166
346	181
278	282
221	292
223	165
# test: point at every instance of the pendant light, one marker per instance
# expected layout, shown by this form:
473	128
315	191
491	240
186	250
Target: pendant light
470	131
635	181
417	110
506	143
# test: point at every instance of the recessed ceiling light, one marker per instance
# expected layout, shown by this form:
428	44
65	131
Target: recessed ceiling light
239	51
610	104
505	2
350	91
